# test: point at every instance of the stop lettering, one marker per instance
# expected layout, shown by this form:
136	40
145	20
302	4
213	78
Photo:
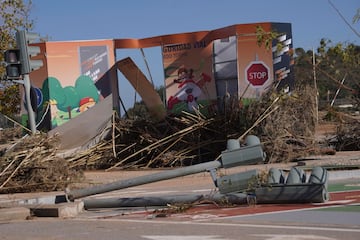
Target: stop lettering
257	73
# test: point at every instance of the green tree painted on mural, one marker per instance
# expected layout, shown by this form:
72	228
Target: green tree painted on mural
72	99
52	86
68	99
85	87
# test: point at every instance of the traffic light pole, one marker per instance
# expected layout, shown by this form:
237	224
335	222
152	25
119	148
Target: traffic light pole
31	114
233	157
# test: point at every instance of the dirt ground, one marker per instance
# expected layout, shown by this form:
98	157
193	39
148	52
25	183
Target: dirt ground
325	128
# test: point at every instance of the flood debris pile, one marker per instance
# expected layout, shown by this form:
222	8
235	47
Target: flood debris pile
289	131
347	135
10	135
284	123
31	165
177	141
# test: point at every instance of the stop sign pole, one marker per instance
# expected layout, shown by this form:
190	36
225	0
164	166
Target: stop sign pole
257	73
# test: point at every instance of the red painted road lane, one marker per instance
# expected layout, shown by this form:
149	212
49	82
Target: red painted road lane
212	210
346	195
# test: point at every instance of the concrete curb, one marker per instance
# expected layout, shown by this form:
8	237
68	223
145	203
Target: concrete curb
61	210
14	213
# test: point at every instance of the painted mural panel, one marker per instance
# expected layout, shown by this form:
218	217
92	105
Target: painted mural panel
189	81
241	66
76	78
255	71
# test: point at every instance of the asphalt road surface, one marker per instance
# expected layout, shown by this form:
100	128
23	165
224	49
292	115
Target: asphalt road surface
337	219
163	229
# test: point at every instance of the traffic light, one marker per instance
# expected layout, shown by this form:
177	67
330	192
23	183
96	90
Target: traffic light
23	39
13	65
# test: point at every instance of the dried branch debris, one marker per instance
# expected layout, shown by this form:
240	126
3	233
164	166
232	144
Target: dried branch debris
284	123
347	137
288	133
32	166
144	144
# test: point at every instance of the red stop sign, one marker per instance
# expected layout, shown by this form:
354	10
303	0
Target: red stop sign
257	73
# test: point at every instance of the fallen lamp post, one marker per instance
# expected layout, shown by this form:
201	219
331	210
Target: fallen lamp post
235	155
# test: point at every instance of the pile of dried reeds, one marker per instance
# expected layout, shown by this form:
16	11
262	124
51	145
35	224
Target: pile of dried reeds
347	137
177	141
284	123
31	165
289	132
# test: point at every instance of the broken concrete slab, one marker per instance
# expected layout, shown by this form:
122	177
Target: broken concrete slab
61	210
85	130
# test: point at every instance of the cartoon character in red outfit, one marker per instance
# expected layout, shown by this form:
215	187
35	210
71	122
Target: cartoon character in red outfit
189	89
86	103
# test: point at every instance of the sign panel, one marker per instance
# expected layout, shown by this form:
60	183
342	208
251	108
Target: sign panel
257	73
189	82
74	78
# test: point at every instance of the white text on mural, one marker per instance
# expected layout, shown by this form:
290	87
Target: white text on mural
176	51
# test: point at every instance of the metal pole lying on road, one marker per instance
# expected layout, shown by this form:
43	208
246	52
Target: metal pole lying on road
151	201
203	167
252	153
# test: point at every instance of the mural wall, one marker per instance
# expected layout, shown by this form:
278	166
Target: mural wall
189	81
255	66
200	68
75	77
227	62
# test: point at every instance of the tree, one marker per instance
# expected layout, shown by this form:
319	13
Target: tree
338	62
14	15
333	63
10	100
303	68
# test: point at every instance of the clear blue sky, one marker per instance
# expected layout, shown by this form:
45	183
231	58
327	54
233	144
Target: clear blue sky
68	20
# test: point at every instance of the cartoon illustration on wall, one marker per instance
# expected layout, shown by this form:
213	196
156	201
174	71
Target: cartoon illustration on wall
189	80
68	102
54	111
189	89
86	103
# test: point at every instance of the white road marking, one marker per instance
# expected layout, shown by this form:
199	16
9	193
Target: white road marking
182	237
291	237
217	224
